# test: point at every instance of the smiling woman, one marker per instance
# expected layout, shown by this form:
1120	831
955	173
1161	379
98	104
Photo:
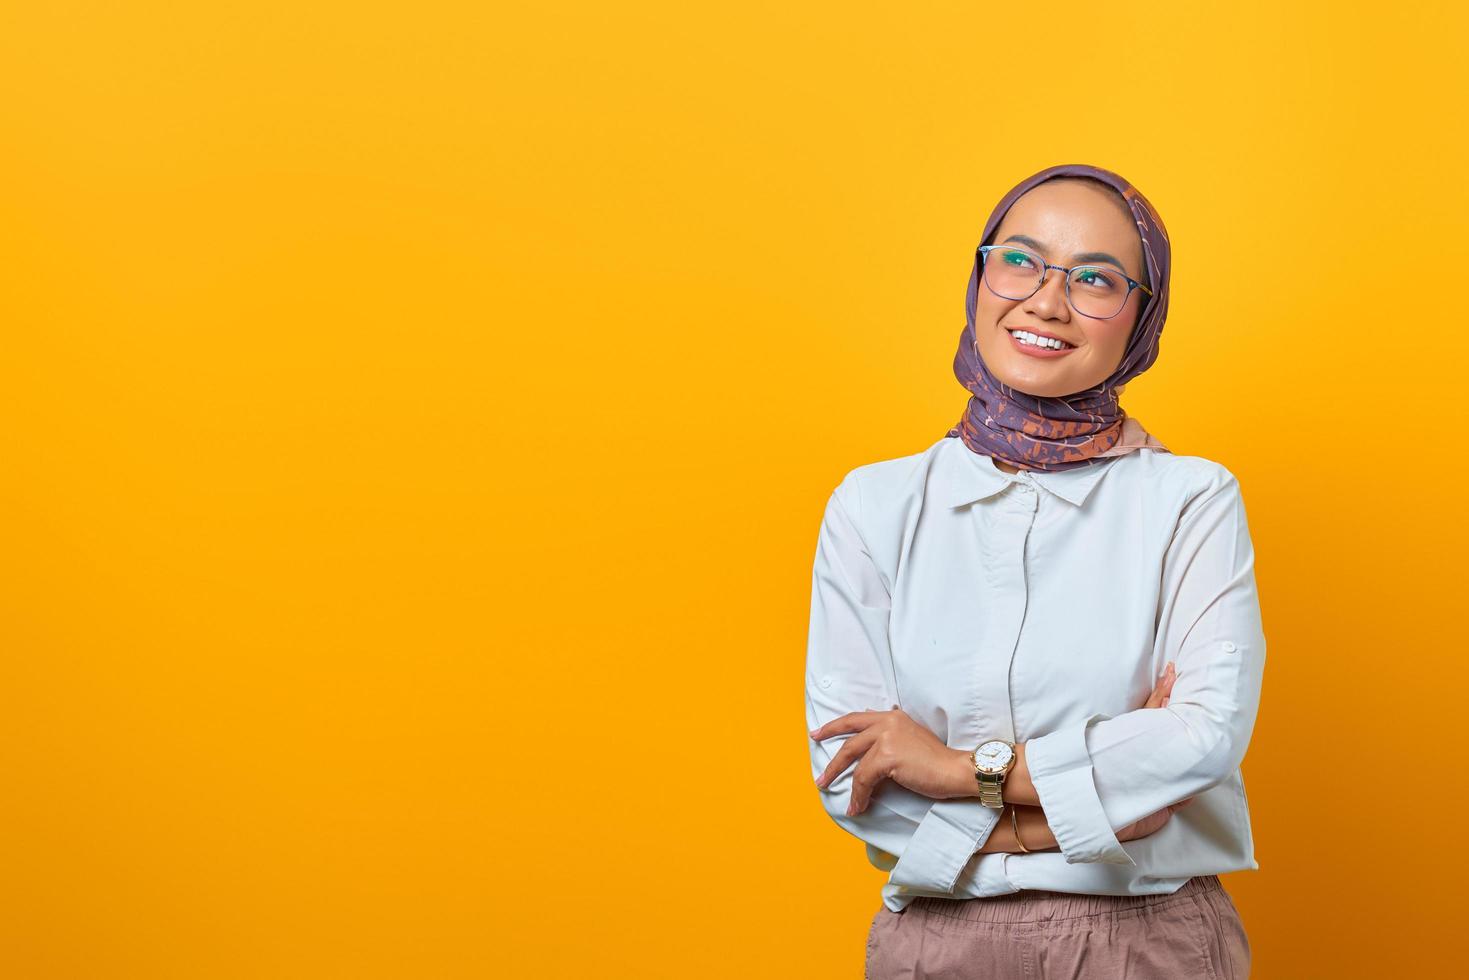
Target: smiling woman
1091	308
1067	232
943	687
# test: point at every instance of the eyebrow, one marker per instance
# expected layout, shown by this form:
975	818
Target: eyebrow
1080	258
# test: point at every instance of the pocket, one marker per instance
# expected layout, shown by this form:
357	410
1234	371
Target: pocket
1229	947
1236	941
1188	925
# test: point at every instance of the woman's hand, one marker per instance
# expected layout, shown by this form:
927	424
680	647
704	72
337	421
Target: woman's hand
1162	689
891	745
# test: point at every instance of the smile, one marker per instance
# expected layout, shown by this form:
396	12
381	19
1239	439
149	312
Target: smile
1038	346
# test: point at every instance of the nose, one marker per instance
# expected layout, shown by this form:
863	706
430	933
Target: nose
1049	301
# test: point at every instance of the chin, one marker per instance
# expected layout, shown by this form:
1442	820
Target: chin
1037	380
1044	390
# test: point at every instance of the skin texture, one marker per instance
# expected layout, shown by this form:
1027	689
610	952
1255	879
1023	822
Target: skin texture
1067	218
1063	218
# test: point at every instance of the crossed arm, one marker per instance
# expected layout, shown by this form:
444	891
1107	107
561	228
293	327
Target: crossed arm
890	745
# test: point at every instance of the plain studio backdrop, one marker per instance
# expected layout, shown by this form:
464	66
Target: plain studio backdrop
418	418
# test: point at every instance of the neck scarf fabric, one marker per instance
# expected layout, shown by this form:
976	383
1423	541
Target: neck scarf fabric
1081	429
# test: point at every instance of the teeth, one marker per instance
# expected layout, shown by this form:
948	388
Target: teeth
1035	341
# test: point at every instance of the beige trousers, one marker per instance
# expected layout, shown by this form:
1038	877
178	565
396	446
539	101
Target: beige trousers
1194	932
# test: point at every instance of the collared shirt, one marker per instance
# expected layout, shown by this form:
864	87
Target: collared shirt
1043	607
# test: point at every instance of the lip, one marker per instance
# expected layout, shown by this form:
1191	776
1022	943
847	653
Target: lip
1038	351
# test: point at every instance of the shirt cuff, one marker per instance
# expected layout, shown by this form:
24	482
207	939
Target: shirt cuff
945	840
1061	769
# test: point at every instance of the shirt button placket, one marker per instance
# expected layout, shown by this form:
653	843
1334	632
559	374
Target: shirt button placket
1005	534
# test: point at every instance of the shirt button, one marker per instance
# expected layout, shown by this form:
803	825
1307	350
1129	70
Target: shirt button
826	681
1229	646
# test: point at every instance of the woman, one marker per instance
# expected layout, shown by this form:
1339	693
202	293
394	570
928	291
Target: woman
1040	637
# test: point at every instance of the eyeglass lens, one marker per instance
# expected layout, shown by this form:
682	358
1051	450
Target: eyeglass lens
1016	273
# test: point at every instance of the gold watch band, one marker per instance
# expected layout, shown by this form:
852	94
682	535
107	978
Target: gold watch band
991	784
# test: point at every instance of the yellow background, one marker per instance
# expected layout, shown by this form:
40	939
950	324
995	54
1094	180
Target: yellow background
417	420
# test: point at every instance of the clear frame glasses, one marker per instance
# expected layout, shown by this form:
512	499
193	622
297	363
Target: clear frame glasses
1096	291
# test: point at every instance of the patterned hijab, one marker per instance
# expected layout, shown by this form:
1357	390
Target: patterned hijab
1033	432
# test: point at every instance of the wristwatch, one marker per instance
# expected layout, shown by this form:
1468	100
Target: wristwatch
993	761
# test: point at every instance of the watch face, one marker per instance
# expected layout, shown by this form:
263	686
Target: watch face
993	756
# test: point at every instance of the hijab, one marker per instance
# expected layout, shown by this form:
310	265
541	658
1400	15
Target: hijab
1033	432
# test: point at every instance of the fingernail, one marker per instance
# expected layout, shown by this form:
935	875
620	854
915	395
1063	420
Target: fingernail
813	732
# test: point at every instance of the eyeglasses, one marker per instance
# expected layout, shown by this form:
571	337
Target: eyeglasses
1093	291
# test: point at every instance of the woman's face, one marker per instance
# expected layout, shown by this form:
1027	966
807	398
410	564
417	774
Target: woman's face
1068	223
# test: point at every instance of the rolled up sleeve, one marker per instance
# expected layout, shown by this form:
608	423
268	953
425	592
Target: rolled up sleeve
1096	777
923	843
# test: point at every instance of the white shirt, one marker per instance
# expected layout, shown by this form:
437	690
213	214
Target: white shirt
1042	607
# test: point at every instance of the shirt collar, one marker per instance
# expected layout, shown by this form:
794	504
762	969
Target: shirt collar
967	476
